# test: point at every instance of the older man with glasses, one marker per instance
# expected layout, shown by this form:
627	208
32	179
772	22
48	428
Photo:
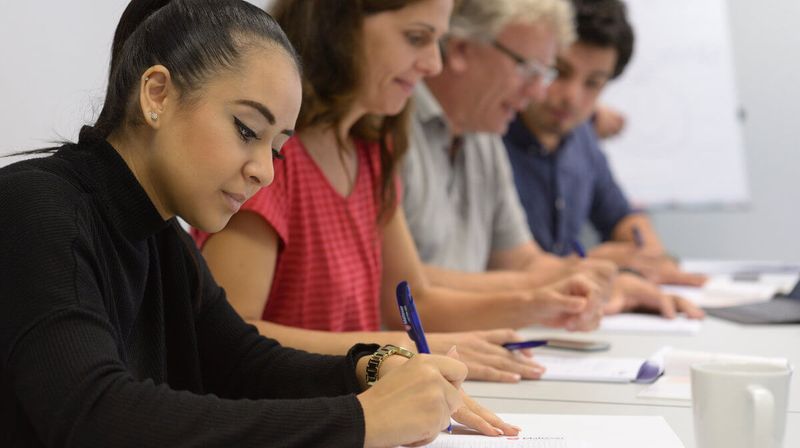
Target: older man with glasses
459	196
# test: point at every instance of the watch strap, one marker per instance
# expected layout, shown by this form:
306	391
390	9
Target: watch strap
377	358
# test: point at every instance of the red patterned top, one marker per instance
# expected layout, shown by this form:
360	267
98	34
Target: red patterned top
328	272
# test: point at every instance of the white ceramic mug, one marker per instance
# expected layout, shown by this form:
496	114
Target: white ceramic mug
740	404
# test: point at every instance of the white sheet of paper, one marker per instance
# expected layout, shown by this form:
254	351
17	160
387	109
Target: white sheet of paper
590	368
648	323
572	431
477	441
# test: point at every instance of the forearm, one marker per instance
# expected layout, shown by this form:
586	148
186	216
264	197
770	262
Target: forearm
446	309
488	282
240	363
326	342
75	392
539	267
548	268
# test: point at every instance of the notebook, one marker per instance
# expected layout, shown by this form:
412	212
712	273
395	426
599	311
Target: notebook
599	369
779	310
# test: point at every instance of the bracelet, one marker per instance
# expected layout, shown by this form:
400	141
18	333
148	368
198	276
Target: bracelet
377	358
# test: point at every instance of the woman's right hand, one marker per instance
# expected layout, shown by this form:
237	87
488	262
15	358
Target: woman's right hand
485	356
412	401
573	303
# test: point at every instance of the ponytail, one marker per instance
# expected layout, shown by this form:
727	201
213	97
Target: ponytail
192	38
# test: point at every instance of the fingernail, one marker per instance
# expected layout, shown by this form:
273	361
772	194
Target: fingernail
499	431
534	372
452	351
516	376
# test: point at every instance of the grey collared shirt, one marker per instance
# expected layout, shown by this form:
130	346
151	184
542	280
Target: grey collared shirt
459	210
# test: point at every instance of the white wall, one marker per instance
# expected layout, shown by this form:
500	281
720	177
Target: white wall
767	58
54	57
54	65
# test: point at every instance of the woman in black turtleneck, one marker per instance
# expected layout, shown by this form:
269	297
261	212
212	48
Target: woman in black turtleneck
112	331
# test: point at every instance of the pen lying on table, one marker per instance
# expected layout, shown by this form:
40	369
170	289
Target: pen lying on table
525	344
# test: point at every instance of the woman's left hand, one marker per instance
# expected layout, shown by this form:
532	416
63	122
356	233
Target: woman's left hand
477	417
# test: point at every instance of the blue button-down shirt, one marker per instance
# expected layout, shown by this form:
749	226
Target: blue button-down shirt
561	190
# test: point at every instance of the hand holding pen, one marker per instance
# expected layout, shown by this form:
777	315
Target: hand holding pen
471	414
412	323
412	400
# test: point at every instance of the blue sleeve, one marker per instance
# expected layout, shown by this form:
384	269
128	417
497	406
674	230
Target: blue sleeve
609	204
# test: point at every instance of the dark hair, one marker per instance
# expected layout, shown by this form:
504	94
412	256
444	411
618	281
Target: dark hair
192	38
327	34
604	23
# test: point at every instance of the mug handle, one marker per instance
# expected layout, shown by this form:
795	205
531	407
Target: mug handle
763	404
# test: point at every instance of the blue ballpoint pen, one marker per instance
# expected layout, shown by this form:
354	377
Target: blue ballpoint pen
576	245
637	237
411	322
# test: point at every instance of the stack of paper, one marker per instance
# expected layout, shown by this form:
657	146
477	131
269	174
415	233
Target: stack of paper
722	291
571	431
675	384
648	323
596	368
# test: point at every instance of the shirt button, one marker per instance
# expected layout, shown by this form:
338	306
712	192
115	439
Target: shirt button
560	204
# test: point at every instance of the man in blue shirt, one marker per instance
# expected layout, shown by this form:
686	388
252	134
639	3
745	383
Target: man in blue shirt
562	176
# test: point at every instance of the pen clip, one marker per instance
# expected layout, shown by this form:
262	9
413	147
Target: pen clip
410	318
403	294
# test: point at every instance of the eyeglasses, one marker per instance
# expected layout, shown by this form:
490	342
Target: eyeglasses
529	69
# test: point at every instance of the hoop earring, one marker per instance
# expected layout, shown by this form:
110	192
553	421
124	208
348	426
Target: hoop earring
153	116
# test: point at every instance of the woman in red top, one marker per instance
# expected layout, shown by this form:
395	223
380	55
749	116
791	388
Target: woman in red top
324	246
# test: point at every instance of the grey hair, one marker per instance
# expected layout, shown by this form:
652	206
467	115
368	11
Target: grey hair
485	19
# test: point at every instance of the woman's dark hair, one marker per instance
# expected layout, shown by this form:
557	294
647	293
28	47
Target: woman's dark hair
327	34
194	39
604	23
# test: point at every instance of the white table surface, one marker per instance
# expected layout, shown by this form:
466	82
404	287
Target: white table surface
679	418
716	336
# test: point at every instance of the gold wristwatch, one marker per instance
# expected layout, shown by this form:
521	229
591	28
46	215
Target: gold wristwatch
375	361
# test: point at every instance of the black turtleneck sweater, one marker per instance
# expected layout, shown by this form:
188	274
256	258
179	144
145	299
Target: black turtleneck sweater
113	332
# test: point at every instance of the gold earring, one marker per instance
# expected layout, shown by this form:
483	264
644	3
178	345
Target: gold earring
147	78
153	116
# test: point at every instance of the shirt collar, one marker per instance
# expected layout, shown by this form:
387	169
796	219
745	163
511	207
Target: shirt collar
521	137
125	201
427	107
